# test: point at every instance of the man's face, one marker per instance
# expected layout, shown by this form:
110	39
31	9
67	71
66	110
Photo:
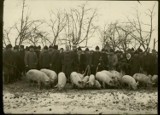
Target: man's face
31	49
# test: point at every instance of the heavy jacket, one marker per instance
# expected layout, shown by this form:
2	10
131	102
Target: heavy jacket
95	61
67	62
80	60
104	61
21	60
56	61
113	61
135	64
31	60
8	65
44	59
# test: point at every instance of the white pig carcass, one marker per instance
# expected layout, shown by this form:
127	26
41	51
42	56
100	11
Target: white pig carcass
76	79
39	77
62	80
104	78
130	81
51	74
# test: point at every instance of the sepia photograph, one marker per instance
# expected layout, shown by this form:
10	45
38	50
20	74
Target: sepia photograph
80	57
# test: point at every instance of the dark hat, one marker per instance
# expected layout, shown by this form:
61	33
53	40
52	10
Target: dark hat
27	48
87	49
97	48
61	49
8	46
31	46
79	49
55	47
39	47
51	46
46	47
35	47
111	50
132	49
16	47
22	46
103	49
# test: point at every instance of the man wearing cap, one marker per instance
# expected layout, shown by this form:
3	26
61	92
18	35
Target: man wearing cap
31	59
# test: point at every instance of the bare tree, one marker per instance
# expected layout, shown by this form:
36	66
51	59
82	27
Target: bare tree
25	27
6	36
141	35
110	36
80	26
116	36
57	24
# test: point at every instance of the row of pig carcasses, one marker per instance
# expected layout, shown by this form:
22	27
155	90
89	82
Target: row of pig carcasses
102	79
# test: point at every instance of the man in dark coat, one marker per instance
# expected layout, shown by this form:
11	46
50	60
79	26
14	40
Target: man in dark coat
55	60
88	58
113	60
8	64
104	60
135	63
80	61
127	64
17	63
150	63
38	51
31	59
44	58
21	60
67	62
95	60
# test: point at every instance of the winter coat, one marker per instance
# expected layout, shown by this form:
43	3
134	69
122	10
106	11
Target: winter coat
56	61
113	61
44	59
31	60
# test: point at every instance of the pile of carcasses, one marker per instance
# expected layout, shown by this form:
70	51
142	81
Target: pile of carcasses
102	79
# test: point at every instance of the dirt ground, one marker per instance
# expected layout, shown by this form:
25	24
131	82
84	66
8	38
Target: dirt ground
19	97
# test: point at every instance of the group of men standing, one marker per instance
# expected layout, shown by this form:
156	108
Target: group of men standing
17	61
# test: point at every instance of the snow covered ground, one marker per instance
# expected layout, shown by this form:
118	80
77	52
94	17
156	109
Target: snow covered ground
19	97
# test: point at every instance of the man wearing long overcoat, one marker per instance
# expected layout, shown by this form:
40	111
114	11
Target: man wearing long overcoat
8	64
44	58
31	59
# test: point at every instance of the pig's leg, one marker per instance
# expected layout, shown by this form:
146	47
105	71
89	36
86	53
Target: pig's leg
104	85
39	85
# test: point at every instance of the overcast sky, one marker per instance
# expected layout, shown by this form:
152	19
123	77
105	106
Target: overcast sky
108	11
